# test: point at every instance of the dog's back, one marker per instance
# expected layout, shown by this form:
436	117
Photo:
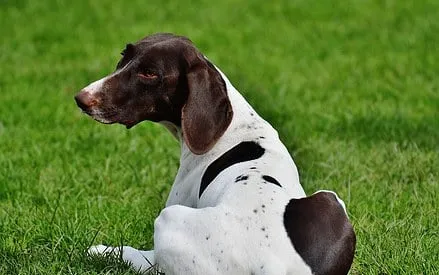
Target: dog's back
236	205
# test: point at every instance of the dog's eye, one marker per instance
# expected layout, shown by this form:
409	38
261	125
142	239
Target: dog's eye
147	76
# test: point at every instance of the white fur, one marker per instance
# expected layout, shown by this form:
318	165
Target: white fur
96	86
233	228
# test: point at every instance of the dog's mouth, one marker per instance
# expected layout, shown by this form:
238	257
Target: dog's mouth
102	117
109	117
128	123
104	113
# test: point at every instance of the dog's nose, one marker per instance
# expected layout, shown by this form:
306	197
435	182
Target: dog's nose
85	100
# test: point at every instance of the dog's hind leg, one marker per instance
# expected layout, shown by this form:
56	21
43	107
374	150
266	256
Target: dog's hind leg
140	260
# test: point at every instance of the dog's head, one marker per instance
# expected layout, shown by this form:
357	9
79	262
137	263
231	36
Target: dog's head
163	78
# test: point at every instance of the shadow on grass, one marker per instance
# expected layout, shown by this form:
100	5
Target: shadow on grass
30	261
305	136
373	128
103	265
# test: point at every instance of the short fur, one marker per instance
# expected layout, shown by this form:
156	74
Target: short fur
236	205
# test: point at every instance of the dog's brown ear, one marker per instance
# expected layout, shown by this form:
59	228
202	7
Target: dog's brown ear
207	112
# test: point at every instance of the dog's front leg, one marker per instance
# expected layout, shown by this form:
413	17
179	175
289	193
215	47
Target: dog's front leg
140	260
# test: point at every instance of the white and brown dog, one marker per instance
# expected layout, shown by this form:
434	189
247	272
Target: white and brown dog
236	206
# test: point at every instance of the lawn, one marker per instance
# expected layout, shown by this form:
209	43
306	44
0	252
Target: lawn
352	87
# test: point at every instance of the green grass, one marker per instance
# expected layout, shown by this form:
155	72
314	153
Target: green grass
352	87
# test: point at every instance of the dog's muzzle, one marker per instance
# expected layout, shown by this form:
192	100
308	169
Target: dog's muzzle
85	100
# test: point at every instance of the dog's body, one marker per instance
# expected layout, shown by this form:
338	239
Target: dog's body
236	205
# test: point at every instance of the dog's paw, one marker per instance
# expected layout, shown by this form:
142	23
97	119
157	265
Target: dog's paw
100	249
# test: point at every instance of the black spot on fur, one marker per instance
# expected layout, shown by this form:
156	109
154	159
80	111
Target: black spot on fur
241	177
245	151
271	180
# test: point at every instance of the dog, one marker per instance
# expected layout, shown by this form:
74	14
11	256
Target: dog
236	205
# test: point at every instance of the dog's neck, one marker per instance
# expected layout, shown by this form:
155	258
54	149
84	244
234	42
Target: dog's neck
245	125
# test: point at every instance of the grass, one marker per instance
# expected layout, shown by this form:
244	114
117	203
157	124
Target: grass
352	87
